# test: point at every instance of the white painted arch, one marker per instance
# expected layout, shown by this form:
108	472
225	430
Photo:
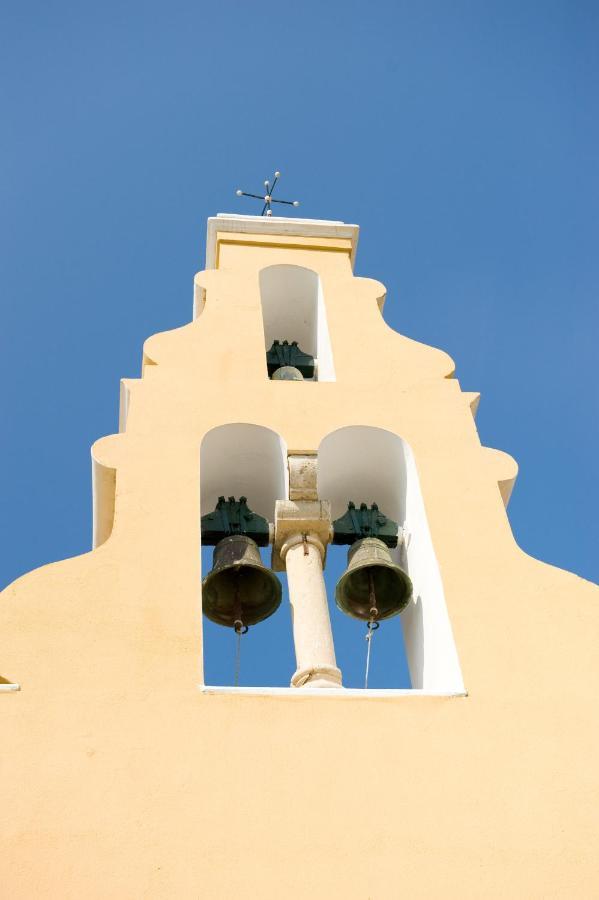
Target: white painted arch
243	459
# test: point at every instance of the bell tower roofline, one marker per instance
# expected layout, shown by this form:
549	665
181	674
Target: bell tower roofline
279	227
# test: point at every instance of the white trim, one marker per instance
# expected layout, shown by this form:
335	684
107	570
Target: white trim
315	228
326	692
9	687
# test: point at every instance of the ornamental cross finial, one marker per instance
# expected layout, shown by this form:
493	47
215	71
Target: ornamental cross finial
267	198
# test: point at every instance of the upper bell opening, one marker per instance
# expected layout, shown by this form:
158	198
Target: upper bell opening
293	311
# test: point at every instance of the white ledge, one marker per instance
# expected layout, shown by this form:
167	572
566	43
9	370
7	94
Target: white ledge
327	692
316	228
9	687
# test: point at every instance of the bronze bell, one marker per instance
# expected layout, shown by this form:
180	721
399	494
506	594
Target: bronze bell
372	581
287	373
239	587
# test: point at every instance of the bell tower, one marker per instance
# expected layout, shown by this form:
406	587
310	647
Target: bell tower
263	431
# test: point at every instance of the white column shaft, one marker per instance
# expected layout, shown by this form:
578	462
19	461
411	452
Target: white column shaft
312	634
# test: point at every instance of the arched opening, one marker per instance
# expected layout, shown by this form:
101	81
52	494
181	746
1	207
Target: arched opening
251	461
243	459
372	465
293	309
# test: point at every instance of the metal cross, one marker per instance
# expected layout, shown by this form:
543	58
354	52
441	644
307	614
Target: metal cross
268	196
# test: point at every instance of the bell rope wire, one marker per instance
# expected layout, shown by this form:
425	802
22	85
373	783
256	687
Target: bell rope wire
240	629
372	624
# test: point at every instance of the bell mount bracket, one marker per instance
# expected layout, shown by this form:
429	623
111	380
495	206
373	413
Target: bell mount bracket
234	517
360	523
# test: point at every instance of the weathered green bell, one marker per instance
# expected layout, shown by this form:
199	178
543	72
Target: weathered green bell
239	587
372	581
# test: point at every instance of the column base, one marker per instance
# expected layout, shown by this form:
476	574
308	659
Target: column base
317	676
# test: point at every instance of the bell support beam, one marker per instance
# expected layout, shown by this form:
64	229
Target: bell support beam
302	531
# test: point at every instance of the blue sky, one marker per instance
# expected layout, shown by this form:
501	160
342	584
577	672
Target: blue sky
461	137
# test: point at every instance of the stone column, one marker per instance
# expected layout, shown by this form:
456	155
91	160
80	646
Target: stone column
314	649
302	531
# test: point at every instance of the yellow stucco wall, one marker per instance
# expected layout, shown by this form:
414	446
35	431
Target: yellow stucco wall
121	779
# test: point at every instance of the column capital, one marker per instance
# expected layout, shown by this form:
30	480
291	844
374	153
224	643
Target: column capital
299	517
308	538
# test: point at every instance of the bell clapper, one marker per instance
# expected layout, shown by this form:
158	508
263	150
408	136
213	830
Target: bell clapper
372	624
